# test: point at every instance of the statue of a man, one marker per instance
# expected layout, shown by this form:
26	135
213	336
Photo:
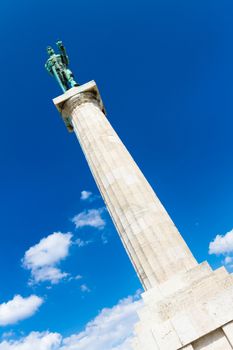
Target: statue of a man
57	66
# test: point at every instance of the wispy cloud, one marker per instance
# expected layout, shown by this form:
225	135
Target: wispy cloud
84	288
42	259
88	196
78	277
8	334
81	243
75	278
112	329
228	260
18	309
85	195
91	218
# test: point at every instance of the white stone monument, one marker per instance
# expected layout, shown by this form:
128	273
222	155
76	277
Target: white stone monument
186	304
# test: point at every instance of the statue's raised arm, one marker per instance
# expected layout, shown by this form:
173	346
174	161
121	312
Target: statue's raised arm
57	66
62	50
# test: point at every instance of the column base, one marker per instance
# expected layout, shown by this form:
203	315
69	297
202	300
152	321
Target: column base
191	311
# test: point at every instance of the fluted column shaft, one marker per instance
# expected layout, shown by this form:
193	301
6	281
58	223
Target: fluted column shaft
149	236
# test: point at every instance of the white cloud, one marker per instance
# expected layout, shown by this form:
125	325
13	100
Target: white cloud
18	309
81	243
88	196
78	277
43	257
85	195
112	329
47	273
222	244
91	217
75	278
228	260
48	251
84	288
34	341
8	334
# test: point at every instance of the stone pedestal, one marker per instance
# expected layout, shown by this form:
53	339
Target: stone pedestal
192	310
187	306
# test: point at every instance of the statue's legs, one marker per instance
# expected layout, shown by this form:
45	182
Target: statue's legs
70	78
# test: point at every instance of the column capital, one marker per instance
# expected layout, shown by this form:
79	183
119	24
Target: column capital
76	96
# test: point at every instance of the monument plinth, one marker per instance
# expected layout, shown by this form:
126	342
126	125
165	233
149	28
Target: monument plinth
186	305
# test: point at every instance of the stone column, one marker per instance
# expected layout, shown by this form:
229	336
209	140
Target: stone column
186	306
149	236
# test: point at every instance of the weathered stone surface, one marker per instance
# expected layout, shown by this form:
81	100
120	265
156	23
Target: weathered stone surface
194	304
151	239
213	341
228	331
186	306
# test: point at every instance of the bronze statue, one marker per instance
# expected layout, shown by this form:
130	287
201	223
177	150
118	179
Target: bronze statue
57	66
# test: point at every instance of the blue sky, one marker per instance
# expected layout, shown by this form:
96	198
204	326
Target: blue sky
165	73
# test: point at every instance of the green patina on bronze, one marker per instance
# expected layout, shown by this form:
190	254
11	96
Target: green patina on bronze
57	66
